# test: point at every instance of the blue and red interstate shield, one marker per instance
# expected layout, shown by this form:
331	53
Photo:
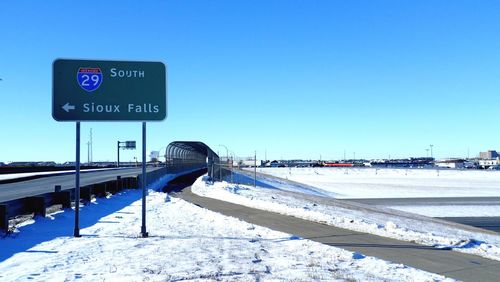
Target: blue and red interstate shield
89	79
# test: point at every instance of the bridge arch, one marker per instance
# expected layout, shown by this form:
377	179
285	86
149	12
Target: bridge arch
191	155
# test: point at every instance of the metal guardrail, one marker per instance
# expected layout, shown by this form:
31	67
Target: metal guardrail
38	204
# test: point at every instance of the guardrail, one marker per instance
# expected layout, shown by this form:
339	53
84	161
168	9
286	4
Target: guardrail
37	204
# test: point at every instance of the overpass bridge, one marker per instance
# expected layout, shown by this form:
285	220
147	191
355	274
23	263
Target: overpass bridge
33	195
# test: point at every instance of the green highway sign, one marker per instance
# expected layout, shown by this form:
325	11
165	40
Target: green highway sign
85	90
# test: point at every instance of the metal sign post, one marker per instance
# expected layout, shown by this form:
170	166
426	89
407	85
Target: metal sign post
129	145
143	184
76	232
93	90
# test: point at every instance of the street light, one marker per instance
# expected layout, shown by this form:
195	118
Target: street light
160	155
232	161
226	150
227	158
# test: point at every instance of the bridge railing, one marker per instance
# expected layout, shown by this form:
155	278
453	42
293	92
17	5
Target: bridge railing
38	204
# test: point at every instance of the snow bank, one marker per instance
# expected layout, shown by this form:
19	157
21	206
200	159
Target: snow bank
382	222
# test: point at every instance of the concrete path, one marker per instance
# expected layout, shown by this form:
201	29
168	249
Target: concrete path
448	263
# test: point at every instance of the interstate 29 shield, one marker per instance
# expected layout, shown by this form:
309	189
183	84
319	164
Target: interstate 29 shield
89	79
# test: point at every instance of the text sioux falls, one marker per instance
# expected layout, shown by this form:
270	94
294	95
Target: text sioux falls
131	108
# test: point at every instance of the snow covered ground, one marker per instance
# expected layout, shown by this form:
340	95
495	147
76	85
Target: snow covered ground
352	183
394	183
185	242
379	221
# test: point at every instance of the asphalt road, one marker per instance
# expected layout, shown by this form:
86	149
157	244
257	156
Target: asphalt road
449	263
12	191
489	223
460	201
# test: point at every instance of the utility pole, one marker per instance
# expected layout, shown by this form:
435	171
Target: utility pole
88	153
118	151
255	169
91	148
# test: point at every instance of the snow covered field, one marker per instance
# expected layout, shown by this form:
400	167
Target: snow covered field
379	221
355	183
394	183
186	242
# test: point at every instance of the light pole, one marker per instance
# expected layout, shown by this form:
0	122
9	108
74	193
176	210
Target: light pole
118	153
255	169
226	150
427	153
432	155
227	157
232	157
164	156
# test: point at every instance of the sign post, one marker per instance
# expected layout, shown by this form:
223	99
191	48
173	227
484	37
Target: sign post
92	90
143	184
76	231
129	145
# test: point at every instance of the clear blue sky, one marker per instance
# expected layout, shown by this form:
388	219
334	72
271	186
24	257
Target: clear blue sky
295	78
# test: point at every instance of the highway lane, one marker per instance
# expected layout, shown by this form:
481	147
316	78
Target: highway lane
12	191
490	223
439	201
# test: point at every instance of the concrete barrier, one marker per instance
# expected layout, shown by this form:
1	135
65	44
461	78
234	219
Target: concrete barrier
4	218
99	190
36	205
86	193
61	198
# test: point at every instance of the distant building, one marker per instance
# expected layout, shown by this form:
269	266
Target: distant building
407	163
491	154
486	163
453	163
250	163
19	164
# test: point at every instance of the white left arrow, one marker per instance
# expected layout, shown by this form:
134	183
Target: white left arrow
67	107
